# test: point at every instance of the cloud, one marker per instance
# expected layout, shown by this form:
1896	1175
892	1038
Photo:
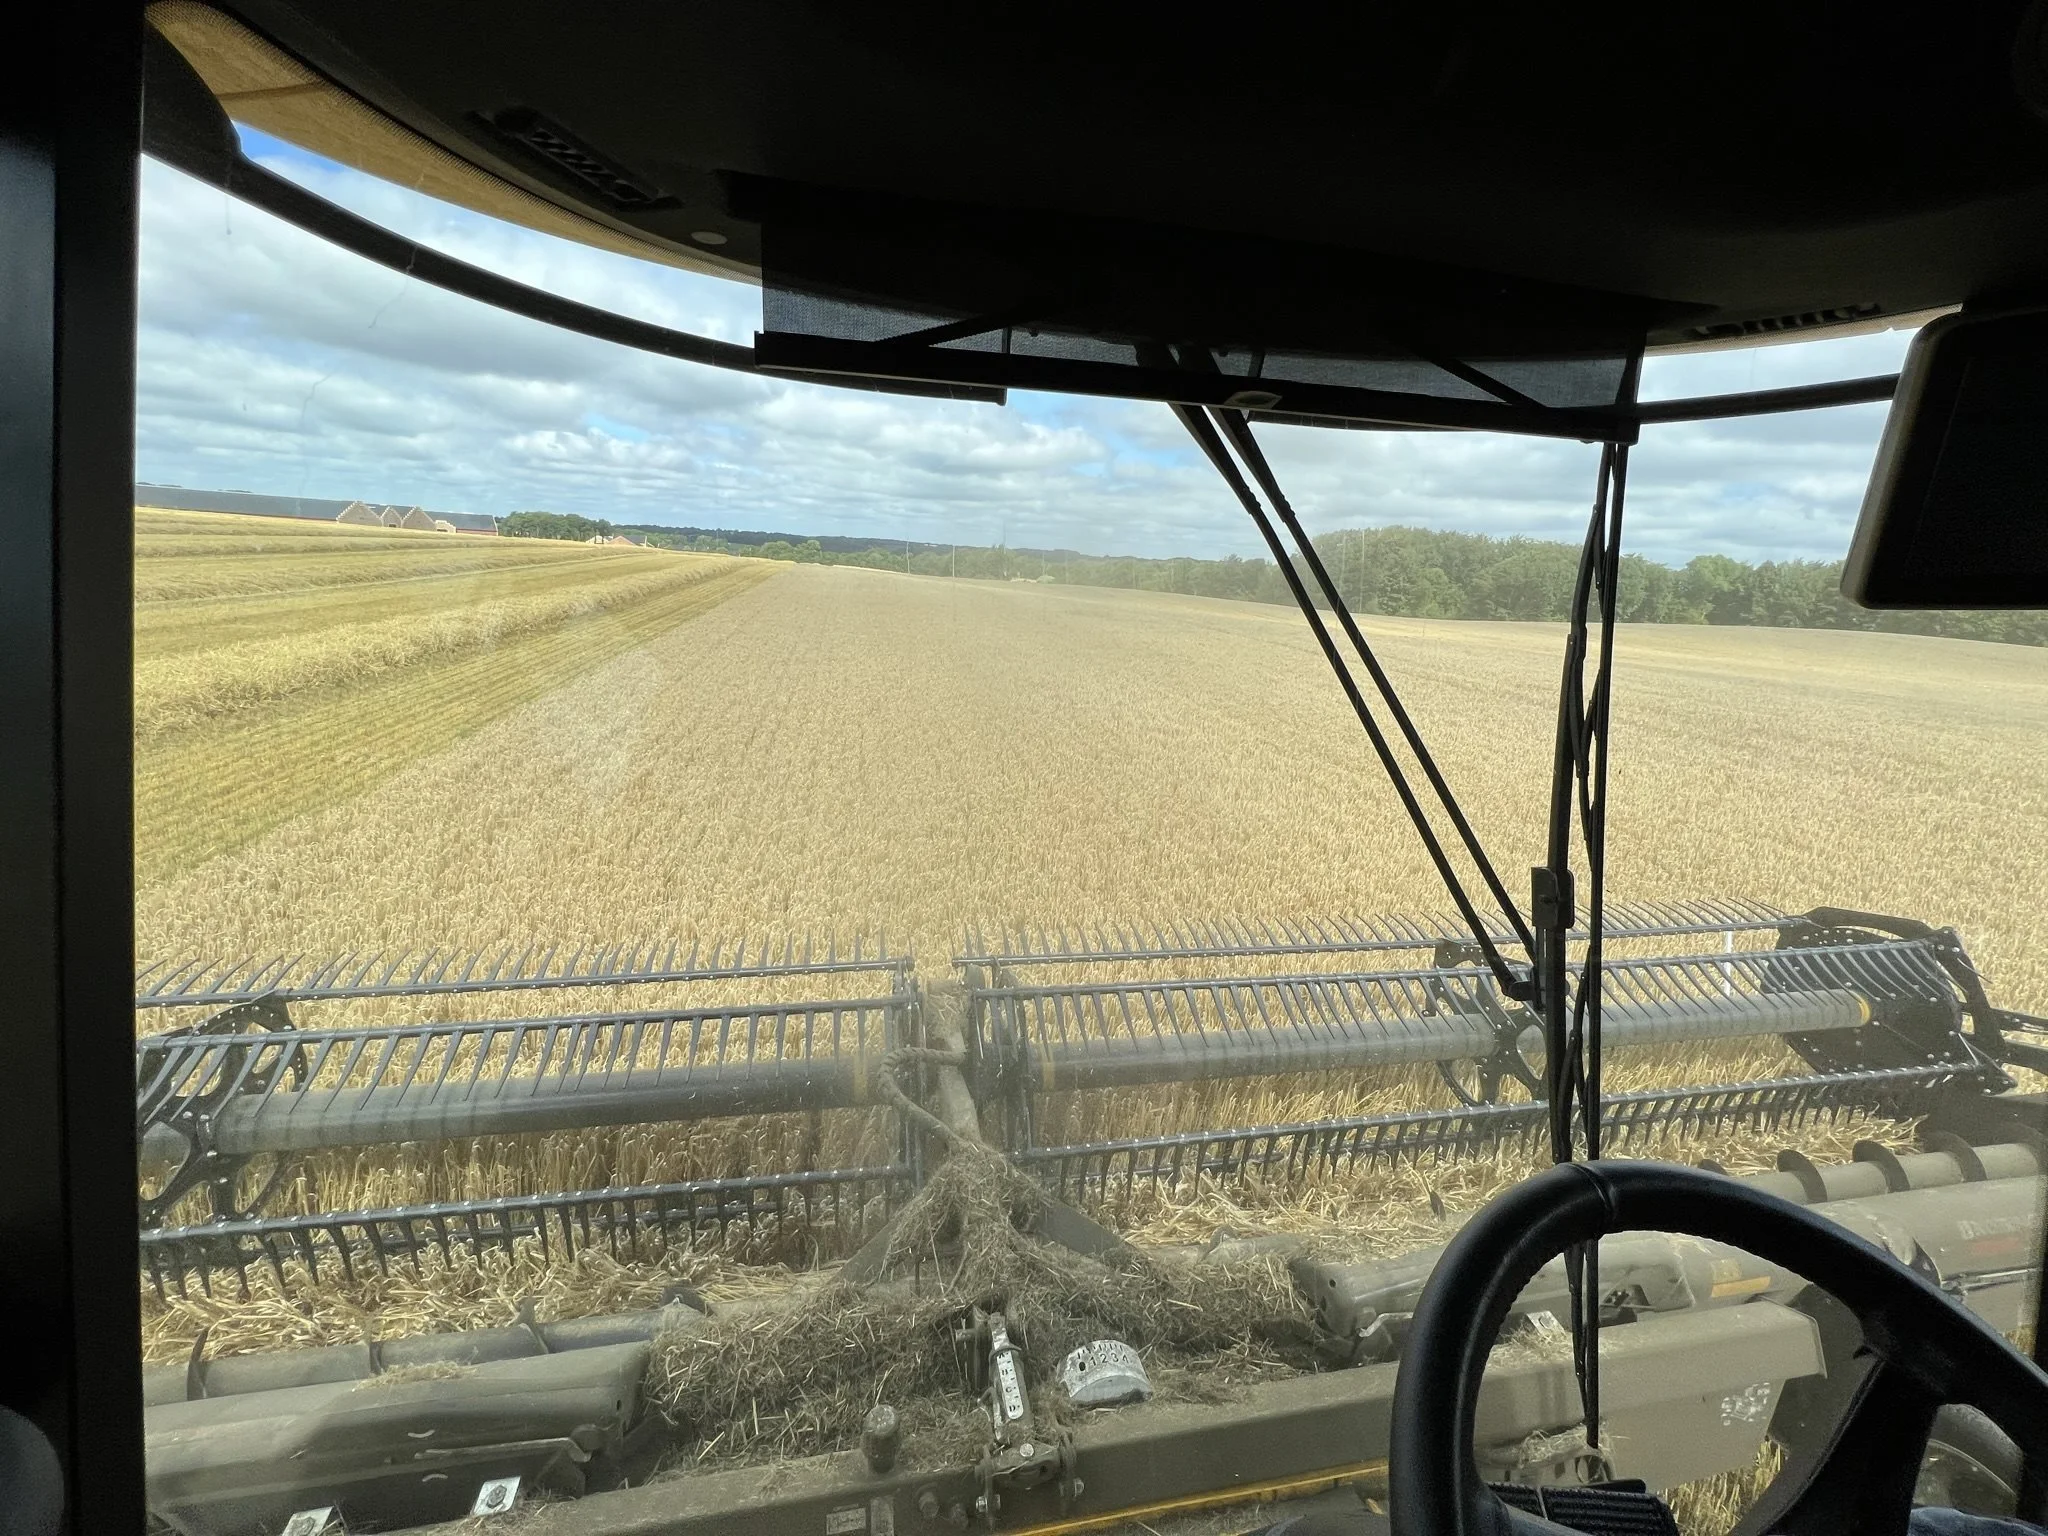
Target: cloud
268	360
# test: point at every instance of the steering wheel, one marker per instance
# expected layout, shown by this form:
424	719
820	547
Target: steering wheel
1923	1349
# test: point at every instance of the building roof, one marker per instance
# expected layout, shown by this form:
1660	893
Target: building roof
182	499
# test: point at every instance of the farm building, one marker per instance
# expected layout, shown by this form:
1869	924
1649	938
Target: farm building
178	498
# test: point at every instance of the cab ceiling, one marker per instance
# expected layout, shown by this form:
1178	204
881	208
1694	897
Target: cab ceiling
1685	171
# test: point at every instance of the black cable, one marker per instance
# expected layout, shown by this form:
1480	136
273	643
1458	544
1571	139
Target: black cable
1572	1019
1593	820
1553	903
1206	437
1554	898
1238	429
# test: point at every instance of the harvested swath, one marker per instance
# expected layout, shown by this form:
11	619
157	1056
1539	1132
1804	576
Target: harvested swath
183	690
176	627
184	555
202	792
798	1381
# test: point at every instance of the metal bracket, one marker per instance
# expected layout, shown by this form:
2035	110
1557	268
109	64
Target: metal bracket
1482	1083
1019	1458
496	1497
1916	1011
190	1113
1004	1083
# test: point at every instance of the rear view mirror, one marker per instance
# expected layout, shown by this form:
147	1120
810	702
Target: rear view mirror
1957	511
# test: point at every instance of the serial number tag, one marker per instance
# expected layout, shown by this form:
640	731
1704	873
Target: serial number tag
849	1520
1013	1394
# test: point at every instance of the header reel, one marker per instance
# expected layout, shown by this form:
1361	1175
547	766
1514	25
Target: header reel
1886	1014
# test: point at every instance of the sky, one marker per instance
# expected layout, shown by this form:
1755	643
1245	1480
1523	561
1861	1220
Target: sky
271	361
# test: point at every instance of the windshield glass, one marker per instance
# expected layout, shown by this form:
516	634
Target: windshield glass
618	841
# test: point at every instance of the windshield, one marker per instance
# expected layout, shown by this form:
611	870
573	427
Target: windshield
708	908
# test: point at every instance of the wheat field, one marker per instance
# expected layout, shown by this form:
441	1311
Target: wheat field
360	739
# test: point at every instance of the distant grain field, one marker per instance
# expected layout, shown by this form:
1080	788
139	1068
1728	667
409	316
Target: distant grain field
363	739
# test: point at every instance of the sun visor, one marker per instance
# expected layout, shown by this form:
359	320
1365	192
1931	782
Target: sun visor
267	89
1955	515
887	289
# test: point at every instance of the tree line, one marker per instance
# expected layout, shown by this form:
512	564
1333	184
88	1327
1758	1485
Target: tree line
1431	574
554	525
1413	572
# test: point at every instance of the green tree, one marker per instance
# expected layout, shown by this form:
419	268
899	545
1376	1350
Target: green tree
1718	588
1535	582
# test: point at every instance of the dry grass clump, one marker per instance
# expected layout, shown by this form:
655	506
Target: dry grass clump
427	1370
798	1381
1714	1506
